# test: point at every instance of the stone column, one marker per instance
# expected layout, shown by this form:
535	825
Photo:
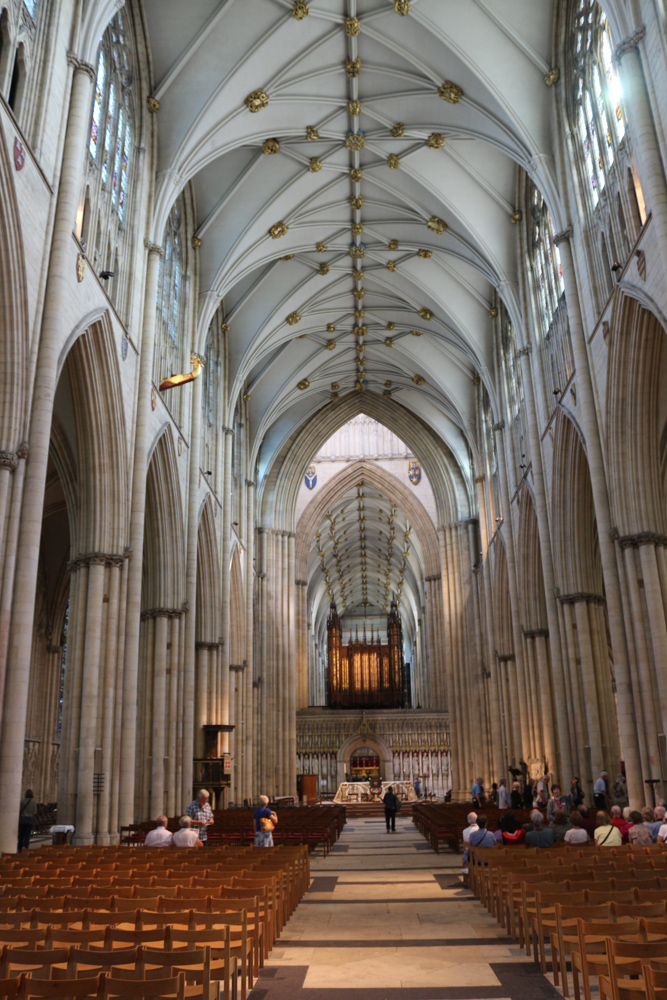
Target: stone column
173	714
142	443
62	259
226	580
9	563
560	758
158	720
107	700
291	745
645	144
508	538
250	645
626	706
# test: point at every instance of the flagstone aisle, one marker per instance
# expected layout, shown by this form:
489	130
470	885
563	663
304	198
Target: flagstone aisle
387	919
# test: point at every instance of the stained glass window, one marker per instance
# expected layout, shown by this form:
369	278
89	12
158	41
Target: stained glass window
171	297
597	97
97	104
546	261
31	7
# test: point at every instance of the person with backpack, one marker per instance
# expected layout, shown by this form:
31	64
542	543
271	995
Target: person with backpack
479	838
265	822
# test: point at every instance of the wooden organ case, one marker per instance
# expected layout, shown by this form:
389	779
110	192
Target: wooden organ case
365	673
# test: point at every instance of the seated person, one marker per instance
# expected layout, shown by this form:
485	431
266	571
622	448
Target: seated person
639	832
481	837
512	833
471	827
617	818
576	834
538	836
160	836
657	821
587	821
560	825
185	837
606	835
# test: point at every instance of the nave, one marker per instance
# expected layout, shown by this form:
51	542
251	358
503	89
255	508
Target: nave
387	919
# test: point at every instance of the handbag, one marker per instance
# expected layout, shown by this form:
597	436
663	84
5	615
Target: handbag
266	824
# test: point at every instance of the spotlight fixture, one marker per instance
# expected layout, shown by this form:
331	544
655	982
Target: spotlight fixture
208	473
105	275
556	391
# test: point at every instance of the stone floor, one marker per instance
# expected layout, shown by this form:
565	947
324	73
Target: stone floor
387	919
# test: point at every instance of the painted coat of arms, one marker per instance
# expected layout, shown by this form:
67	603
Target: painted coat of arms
310	478
414	471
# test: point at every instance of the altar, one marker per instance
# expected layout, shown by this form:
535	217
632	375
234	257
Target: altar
360	791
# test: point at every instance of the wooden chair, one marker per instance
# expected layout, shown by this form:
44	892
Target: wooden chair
85	963
172	988
30	937
41	961
10	987
224	965
655	980
541	917
589	957
60	988
566	935
194	963
624	960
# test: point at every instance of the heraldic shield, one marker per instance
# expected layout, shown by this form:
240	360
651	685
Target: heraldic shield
414	472
310	479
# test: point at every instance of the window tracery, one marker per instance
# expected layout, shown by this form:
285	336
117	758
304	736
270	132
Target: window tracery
110	153
514	396
172	347
211	375
20	22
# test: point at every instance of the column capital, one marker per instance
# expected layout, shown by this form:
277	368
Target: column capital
301	583
95	559
535	633
154	248
228	430
564	236
480	479
581	597
161	613
639	539
524	351
505	657
8	460
630	44
79	66
500	426
250	484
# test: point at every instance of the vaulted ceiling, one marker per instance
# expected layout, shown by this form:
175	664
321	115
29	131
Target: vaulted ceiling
353	164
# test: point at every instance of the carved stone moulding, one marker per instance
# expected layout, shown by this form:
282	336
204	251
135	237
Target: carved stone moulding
436	225
450	92
278	230
256	101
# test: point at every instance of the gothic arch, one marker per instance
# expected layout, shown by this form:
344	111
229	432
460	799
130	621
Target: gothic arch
163	583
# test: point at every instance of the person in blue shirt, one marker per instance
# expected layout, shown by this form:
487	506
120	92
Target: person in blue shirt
478	793
265	820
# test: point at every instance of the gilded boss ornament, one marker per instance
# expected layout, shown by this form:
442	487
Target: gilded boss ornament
357	252
358	275
270	147
416	333
553	76
401	7
356	174
354	108
321	247
224	327
392	245
493	312
355	141
393	161
256	101
435	141
278	230
359	314
516	216
311	132
331	345
323	269
390	326
300	10
425	254
288	256
391	266
293	318
315	164
335	387
425	313
356	203
436	225
418	379
357	228
331	328
359	293
388	342
153	105
386	393
450	92
352	27
334	397
353	67
303	384
397	130
360	330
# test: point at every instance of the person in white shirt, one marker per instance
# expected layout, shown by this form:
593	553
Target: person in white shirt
160	836
472	826
577	835
503	795
185	837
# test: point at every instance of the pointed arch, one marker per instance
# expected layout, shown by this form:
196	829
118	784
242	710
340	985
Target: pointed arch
208	577
164	544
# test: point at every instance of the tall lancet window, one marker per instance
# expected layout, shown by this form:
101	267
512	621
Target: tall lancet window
545	260
171	351
110	155
599	114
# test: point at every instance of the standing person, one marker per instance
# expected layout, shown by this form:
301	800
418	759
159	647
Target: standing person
391	807
201	814
600	796
576	793
620	791
478	793
556	804
541	792
528	794
265	821
516	798
503	796
418	787
26	819
160	836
